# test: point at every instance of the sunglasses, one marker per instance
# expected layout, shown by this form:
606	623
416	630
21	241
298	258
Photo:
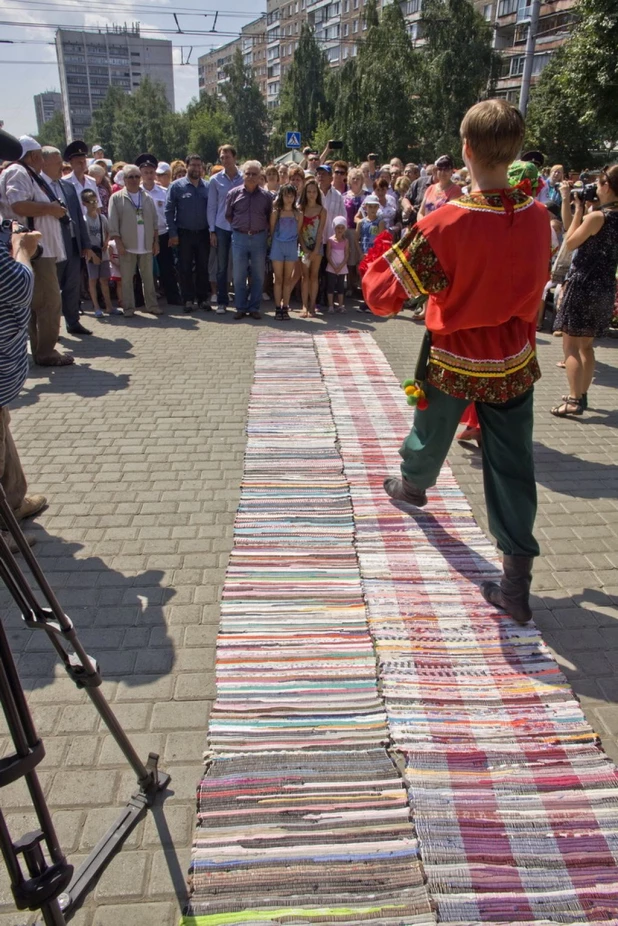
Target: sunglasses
341	172
313	159
132	177
252	173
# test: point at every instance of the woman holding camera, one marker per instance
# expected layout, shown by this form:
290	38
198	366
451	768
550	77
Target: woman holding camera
590	288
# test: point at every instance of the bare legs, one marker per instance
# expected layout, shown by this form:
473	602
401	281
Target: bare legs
278	271
92	289
310	284
579	364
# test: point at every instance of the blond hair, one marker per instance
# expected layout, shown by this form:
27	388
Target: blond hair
494	130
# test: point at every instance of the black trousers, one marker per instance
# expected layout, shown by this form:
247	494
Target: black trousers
193	252
69	281
167	270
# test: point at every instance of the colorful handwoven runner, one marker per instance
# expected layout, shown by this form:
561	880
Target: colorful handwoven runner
301	817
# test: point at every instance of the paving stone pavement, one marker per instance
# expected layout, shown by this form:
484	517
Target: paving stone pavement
139	448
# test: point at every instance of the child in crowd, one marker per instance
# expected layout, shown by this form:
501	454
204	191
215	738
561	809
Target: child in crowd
98	264
285	228
368	229
115	275
337	254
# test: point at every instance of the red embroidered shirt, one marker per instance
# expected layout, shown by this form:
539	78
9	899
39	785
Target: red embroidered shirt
483	262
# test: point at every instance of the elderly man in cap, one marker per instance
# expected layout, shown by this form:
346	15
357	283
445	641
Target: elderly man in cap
26	198
148	166
76	154
75	236
164	174
133	224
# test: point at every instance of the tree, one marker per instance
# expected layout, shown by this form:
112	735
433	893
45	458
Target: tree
303	101
104	118
209	126
53	132
373	94
574	106
145	123
458	66
246	108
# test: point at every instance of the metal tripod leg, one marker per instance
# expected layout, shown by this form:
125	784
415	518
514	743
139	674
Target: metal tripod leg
84	671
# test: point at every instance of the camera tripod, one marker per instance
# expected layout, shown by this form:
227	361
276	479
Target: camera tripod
50	884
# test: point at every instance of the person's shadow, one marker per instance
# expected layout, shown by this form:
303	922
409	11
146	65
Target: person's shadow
119	620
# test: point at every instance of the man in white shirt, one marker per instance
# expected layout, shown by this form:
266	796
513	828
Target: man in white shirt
148	167
332	201
23	198
76	154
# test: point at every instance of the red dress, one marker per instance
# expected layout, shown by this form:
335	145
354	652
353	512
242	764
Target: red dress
482	260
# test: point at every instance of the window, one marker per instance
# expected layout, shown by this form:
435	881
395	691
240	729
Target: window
413	31
364	23
539	63
487	11
273	52
523	10
333	54
506	7
346	30
346	51
517	66
346	6
355	4
355	26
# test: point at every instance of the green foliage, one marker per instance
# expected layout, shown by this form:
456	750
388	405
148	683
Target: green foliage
246	108
458	65
209	126
372	94
573	112
303	102
104	118
53	132
324	132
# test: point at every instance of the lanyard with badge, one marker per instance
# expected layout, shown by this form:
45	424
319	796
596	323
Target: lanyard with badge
139	212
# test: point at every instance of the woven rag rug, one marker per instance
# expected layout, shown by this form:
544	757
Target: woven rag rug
355	642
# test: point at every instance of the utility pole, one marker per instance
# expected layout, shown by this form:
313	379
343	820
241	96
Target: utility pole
524	92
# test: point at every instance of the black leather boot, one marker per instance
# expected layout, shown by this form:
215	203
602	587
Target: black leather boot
404	491
513	593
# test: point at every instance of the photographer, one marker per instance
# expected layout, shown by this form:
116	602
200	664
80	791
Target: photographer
16	285
590	287
23	195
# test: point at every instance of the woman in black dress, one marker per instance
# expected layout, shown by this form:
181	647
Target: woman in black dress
590	289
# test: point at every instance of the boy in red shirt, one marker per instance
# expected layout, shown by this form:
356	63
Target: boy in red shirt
483	262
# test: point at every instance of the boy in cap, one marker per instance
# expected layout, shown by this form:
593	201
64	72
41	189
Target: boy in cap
480	341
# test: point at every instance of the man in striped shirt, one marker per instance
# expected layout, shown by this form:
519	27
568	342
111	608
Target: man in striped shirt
16	286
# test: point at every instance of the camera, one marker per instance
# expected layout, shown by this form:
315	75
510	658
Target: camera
8	228
587	193
65	219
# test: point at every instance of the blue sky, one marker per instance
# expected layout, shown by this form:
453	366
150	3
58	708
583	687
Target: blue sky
29	66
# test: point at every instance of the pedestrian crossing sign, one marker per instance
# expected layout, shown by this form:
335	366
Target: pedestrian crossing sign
292	139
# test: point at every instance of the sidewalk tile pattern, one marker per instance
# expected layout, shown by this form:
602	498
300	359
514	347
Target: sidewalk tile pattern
515	805
302	814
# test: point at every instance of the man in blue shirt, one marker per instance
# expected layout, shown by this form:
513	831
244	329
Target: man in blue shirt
220	229
187	223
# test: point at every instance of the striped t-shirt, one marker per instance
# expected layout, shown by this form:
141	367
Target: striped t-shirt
16	285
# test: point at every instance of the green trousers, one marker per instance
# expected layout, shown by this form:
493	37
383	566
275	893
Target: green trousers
508	465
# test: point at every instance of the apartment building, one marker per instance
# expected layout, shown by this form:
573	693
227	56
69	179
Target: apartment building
339	24
45	105
510	20
90	62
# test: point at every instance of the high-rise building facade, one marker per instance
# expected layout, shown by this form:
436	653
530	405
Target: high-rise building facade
91	62
339	24
45	105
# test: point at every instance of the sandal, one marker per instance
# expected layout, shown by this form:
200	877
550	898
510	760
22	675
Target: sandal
561	365
62	360
563	411
304	314
285	312
584	400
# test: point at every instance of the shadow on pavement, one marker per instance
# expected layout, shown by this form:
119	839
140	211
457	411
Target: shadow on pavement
119	619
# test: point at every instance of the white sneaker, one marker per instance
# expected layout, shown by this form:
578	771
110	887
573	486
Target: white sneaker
213	299
221	310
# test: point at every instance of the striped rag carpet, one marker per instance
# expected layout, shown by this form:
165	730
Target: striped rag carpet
385	747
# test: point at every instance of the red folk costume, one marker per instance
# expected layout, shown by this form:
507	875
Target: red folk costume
482	260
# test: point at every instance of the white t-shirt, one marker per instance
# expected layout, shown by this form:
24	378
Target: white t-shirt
88	184
17	186
159	196
137	200
333	203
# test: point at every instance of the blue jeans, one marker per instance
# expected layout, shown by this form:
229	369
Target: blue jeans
224	243
248	256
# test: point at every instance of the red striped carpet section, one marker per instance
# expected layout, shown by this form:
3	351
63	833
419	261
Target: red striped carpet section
514	803
302	814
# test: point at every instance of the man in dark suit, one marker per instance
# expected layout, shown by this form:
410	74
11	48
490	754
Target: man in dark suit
75	237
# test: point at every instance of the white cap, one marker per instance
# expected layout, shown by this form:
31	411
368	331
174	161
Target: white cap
119	178
96	148
340	220
371	200
28	144
163	168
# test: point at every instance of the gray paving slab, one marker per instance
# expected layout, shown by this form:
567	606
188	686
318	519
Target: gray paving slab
140	450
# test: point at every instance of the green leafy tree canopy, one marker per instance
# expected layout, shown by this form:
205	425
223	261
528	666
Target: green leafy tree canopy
303	101
53	132
246	108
